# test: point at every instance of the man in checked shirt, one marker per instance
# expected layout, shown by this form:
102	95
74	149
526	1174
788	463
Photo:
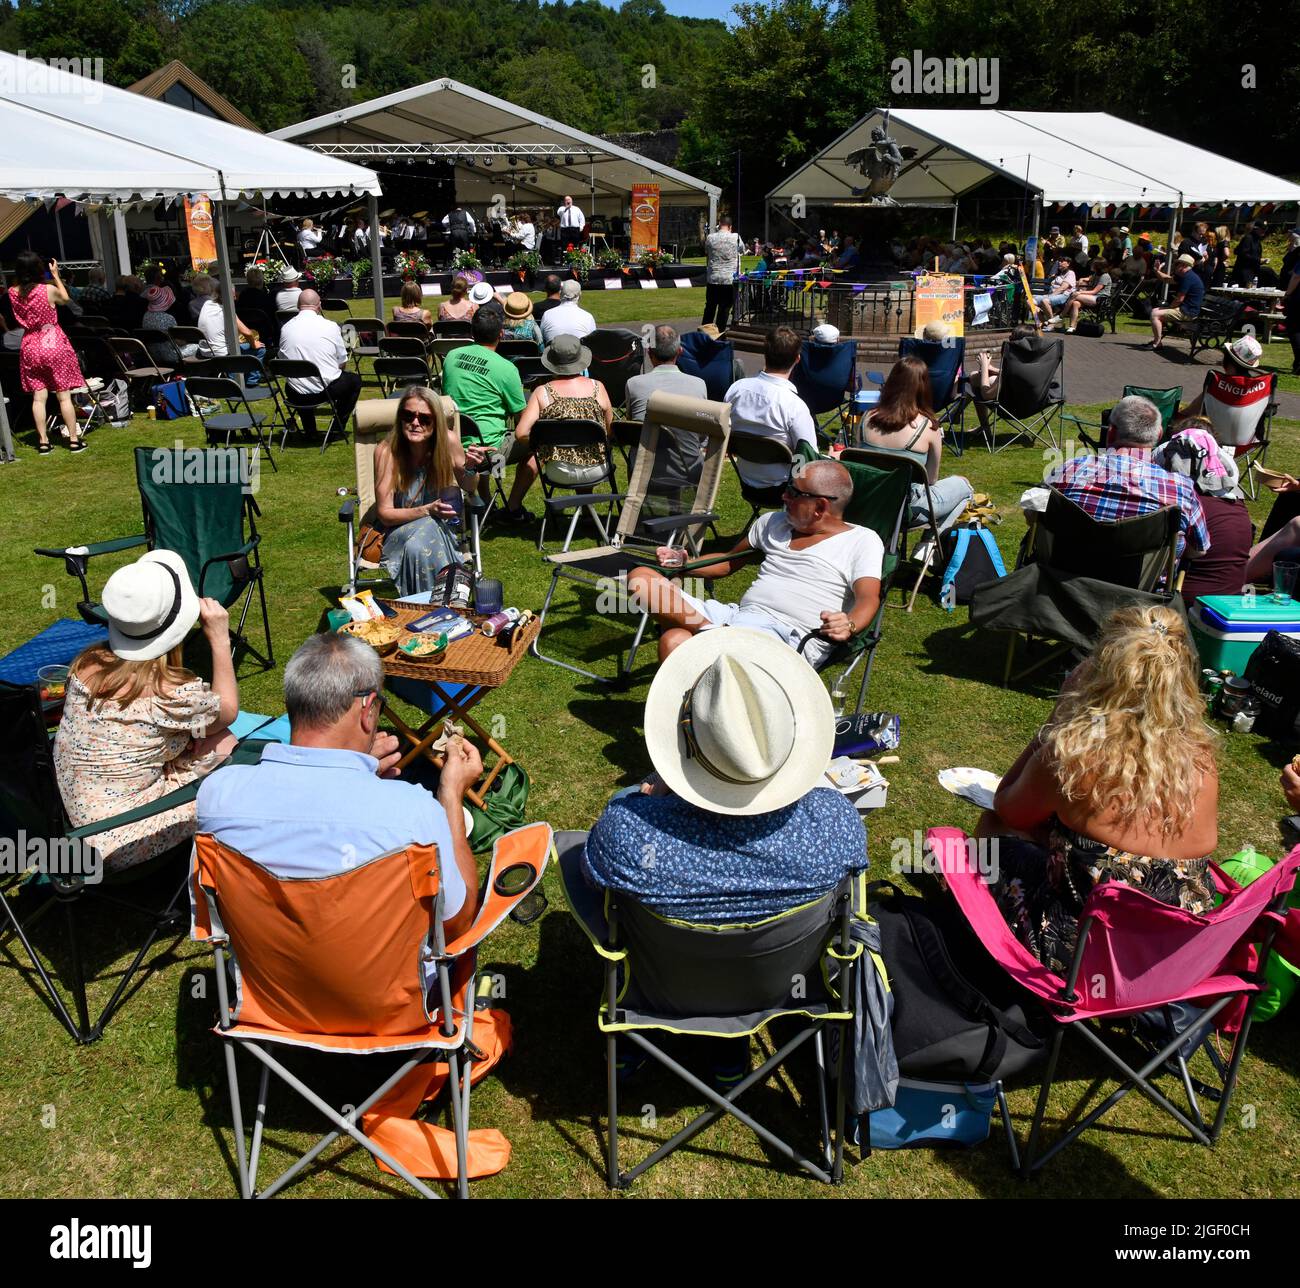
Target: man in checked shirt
1124	481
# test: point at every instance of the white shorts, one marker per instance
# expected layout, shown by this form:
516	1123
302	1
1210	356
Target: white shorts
717	613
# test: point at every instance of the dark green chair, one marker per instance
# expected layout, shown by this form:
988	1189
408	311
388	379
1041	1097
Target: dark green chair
31	810
1167	400
666	978
199	503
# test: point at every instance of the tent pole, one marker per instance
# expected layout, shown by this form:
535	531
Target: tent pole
1169	258
100	242
123	246
955	205
6	438
713	213
376	254
224	276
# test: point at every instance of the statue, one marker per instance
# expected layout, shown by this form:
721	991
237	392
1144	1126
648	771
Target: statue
881	161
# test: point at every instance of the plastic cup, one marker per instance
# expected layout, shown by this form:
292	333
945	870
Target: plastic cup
1284	578
54	682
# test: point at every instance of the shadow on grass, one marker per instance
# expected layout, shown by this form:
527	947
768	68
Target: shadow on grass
965	652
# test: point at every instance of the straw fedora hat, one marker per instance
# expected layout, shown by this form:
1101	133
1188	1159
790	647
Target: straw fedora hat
738	724
151	606
518	306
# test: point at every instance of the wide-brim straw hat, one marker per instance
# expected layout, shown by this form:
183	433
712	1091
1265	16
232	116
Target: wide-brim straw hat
737	723
151	606
518	306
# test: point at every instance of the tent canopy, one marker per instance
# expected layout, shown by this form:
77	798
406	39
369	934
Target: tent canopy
1072	157
448	112
67	135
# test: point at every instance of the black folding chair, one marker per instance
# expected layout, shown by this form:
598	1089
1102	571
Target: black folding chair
398	373
753	449
259	395
184	336
411	331
1031	392
664	978
138	366
239	416
516	349
364	338
549	435
305	403
453	329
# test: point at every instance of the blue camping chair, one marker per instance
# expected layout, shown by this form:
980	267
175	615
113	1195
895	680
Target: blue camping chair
826	377
714	361
943	361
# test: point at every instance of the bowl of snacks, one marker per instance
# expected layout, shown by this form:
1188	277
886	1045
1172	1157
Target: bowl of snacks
382	636
424	646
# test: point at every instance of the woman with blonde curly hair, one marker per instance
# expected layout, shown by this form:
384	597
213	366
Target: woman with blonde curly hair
1119	785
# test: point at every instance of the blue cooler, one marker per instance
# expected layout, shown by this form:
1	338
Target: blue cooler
1227	629
864	400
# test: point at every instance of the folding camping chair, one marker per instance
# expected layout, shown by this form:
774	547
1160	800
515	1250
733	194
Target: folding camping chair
211	524
1166	400
238	418
826	378
714	361
616	356
1241	411
339	965
305	404
31	807
636	538
373	421
914	467
549	435
1031	391
1135	954
943	360
1072	571
669	977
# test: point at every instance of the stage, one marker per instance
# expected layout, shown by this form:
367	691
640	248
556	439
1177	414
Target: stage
666	277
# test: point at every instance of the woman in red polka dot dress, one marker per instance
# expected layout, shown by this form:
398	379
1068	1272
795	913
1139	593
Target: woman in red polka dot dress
47	359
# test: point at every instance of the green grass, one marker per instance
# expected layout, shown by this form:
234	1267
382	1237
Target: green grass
143	1112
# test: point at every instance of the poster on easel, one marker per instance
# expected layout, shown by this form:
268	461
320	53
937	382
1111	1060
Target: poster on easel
201	229
939	298
645	218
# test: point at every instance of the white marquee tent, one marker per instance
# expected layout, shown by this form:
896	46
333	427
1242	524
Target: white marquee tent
1071	157
64	135
446	113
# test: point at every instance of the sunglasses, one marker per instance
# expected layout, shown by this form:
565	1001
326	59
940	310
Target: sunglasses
417	417
366	693
796	493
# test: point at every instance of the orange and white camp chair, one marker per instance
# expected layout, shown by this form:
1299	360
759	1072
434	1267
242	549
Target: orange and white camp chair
357	963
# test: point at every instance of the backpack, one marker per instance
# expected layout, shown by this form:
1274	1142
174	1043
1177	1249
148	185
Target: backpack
973	559
1274	670
1091	328
956	1015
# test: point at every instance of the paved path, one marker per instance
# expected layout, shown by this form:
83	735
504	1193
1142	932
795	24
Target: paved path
1097	369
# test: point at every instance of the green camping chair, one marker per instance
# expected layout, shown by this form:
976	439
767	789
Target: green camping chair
210	523
31	807
664	978
1167	400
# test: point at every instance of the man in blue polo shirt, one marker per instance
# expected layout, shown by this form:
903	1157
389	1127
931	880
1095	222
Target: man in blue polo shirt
1189	292
328	800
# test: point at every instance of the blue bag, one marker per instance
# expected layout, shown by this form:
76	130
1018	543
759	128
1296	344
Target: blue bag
170	402
935	1113
973	559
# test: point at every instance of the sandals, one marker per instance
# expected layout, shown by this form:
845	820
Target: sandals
78	446
43	449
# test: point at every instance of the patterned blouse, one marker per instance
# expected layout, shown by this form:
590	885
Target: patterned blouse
568	407
117	758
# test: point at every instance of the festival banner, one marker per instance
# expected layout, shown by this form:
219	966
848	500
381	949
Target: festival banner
939	299
645	218
202	232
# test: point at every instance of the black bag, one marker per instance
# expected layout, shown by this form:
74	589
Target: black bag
1090	327
1141	309
956	1017
1274	670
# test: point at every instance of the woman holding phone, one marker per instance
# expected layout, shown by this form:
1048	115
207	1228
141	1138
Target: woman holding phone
47	358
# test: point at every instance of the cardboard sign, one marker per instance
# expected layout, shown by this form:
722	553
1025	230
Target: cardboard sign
939	298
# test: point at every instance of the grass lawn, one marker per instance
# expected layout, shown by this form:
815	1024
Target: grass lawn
144	1111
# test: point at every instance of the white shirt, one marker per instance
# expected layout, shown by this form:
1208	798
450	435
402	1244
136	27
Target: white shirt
571	217
569	318
212	322
287	298
526	235
312	338
798	586
767	406
309	239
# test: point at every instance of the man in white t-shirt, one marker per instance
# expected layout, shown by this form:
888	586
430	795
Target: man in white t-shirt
769	406
572	220
212	322
568	317
818	573
312	338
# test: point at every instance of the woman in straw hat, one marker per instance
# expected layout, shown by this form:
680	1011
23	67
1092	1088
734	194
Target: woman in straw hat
136	724
520	323
739	818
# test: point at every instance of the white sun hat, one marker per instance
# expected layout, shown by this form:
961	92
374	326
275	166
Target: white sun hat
736	722
151	606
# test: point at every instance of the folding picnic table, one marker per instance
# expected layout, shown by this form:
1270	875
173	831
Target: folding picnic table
458	680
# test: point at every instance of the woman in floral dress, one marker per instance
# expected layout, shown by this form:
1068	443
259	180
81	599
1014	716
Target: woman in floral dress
47	358
136	724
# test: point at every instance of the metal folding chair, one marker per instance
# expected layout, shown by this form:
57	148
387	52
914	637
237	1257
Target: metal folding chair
239	416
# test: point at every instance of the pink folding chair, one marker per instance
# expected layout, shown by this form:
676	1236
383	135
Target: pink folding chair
1137	954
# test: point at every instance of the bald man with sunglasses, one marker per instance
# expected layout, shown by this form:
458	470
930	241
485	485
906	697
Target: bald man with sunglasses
819	573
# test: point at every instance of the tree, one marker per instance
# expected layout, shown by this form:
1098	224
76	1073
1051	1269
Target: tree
126	34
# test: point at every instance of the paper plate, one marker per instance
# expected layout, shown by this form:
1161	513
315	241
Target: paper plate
974	785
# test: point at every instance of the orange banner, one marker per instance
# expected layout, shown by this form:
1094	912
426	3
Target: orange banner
645	217
200	226
939	299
